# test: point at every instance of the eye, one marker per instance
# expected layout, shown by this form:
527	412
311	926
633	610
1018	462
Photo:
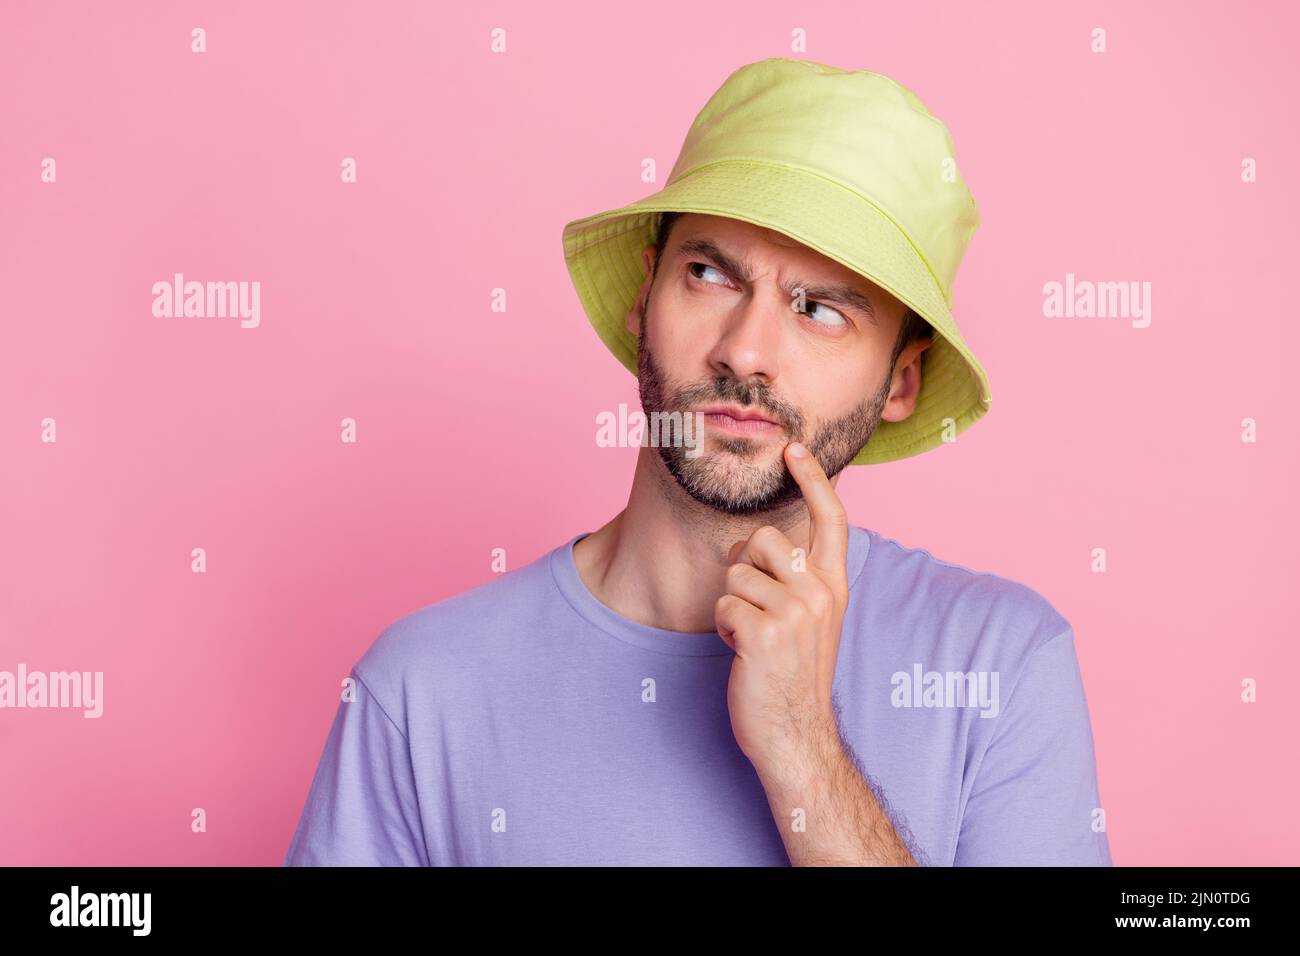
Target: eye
704	265
832	319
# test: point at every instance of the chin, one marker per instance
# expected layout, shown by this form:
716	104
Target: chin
733	485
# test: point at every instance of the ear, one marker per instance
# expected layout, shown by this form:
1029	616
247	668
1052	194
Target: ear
633	320
906	383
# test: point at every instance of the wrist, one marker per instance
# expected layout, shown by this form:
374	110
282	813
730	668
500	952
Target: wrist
804	760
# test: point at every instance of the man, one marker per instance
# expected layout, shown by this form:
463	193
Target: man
728	671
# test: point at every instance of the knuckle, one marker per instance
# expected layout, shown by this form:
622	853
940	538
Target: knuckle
820	600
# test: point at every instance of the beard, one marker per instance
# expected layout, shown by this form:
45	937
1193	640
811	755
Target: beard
728	479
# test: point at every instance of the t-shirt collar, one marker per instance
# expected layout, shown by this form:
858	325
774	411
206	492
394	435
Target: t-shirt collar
564	570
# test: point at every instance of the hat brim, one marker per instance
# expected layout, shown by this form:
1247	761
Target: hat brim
603	254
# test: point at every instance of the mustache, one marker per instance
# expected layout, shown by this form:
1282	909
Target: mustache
746	395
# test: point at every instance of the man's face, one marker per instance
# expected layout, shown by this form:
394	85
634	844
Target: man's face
719	334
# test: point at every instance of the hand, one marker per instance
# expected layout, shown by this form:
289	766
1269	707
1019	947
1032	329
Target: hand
782	613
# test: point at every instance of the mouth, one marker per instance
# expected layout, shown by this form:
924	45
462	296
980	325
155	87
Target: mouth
739	421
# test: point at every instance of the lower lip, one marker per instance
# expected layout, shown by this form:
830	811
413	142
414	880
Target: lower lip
747	426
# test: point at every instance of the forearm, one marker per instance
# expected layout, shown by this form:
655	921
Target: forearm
826	812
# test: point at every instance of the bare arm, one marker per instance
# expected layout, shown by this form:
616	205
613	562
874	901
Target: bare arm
827	812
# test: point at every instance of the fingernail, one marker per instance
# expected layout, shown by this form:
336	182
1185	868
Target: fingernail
797	450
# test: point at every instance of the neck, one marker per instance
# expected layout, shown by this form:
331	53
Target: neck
662	560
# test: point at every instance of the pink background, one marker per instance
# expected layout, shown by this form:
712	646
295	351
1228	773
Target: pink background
476	429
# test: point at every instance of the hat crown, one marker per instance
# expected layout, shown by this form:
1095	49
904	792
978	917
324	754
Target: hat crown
863	130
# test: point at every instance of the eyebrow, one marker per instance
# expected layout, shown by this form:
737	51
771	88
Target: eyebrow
837	293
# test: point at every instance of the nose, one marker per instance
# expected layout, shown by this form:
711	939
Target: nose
747	348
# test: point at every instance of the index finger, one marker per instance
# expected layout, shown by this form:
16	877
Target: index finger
829	533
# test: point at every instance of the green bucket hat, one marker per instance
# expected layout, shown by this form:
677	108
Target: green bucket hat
849	163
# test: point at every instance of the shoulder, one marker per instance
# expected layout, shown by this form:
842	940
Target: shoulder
456	634
958	598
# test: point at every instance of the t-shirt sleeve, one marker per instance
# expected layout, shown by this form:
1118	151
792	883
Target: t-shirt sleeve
362	808
1034	800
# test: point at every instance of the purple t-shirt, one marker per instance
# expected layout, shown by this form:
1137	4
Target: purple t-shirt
525	723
